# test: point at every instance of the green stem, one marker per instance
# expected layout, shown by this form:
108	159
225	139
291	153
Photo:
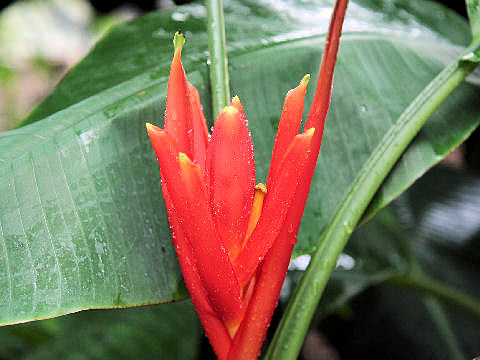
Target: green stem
292	329
219	80
441	291
446	333
432	303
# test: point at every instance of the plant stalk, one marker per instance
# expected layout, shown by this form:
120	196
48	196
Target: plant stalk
219	80
442	291
442	323
293	327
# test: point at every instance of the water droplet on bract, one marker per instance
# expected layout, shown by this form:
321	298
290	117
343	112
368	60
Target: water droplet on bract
348	228
468	56
293	240
290	228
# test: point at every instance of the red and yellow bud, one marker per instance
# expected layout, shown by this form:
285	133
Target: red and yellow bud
233	238
231	168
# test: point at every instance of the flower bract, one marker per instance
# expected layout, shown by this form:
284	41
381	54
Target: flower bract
234	237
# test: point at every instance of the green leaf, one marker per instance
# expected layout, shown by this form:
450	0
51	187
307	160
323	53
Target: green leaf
140	333
82	220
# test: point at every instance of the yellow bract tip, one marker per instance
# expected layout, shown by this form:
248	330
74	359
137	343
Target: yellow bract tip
178	41
236	99
182	157
230	109
148	126
310	131
305	80
184	161
261	187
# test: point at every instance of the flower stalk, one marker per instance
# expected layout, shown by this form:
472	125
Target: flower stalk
219	80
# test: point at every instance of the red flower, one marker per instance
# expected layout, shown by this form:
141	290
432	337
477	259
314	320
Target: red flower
233	238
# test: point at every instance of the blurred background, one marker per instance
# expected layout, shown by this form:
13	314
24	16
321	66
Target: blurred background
42	39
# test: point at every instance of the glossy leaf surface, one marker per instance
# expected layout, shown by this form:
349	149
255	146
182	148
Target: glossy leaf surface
82	219
139	333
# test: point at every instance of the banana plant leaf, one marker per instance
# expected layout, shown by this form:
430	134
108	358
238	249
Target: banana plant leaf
139	333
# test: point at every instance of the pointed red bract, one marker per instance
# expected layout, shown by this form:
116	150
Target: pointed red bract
251	334
214	327
187	192
199	127
231	167
177	118
319	108
214	266
289	125
233	238
277	203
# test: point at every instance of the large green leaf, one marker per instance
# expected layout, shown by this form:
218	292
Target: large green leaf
139	333
82	219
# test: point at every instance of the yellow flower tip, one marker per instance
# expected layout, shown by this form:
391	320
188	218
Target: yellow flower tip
149	127
183	158
310	132
257	206
305	80
230	110
185	162
235	99
232	328
178	41
261	187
